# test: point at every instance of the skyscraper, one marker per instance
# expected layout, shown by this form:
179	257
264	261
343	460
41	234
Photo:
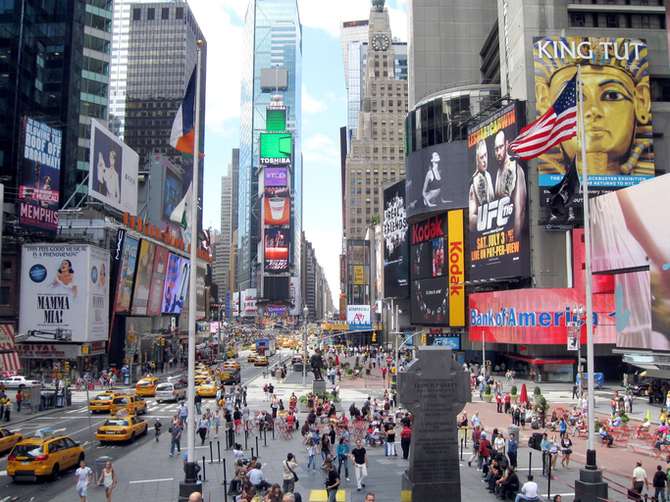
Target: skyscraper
272	65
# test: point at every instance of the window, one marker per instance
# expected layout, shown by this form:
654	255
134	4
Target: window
151	14
5	296
137	14
179	13
165	13
6	270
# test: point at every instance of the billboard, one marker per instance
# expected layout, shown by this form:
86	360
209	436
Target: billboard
248	303
358	317
615	76
275	149
113	170
277	206
39	194
176	285
429	301
64	292
437	179
124	289
172	194
200	300
631	237
145	268
498	198
396	242
456	264
157	281
276	177
276	249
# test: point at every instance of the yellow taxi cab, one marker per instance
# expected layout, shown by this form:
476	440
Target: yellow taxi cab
123	427
8	439
43	455
251	357
232	353
261	361
201	376
207	389
201	367
147	386
136	405
102	402
231	365
252	348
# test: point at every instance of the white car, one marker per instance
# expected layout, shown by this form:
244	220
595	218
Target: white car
16	381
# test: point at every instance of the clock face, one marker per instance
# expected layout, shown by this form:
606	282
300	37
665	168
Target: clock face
380	42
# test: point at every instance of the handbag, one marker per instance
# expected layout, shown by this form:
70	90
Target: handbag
295	476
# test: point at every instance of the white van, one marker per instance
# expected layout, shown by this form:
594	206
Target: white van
168	391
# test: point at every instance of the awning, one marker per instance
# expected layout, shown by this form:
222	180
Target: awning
9	362
542	361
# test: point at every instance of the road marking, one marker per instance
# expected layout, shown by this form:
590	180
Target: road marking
3	473
149	480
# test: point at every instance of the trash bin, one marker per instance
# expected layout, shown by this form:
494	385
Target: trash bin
513	429
100	463
272	372
126	379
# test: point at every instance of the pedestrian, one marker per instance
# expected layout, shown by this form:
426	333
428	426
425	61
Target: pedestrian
640	478
512	447
659	484
529	490
332	482
216	418
389	432
360	458
405	440
203	426
476	435
108	480
343	458
370	497
566	449
575	394
19	399
195	497
545	444
311	455
175	431
183	412
157	429
83	478
484	450
509	485
289	465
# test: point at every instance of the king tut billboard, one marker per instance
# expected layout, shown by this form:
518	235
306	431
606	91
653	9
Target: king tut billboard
617	110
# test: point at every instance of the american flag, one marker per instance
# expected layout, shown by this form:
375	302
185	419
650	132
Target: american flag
556	125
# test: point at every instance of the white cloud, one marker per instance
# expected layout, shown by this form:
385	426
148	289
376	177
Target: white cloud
310	104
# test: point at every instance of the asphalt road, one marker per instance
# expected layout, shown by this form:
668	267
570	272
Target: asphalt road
78	423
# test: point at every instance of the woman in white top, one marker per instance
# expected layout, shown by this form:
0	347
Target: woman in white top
499	443
216	421
108	480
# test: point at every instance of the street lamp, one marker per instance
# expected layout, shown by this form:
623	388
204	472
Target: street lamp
305	313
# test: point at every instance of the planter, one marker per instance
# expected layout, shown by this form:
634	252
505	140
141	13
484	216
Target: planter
514	398
537	399
487	399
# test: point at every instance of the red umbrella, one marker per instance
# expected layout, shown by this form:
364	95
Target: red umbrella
523	398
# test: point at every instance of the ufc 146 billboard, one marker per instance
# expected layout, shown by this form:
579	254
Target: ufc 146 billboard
498	198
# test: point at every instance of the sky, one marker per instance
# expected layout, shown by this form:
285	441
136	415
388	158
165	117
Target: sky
323	110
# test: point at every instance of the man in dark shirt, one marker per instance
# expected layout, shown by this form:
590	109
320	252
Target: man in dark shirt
508	485
659	484
360	457
332	482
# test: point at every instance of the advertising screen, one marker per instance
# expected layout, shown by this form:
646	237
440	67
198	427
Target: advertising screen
615	76
430	301
172	194
145	267
275	119
358	317
498	199
158	281
275	149
629	235
277	206
39	193
199	291
276	249
396	242
124	289
276	288
64	293
275	176
113	170
437	179
176	285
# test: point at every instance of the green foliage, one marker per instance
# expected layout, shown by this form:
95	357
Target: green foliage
487	390
624	418
513	391
537	391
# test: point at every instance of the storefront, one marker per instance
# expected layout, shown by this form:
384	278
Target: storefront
546	370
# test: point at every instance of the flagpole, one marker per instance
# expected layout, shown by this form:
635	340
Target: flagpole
590	453
190	427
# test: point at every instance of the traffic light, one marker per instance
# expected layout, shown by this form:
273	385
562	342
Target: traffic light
162	342
423	339
67	366
374	336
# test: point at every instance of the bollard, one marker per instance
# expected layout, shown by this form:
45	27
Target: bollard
258	452
549	479
273	431
461	449
225	482
211	453
246	436
218	449
252	452
530	462
265	438
204	469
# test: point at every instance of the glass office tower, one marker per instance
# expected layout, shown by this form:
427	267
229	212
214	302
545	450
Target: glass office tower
272	41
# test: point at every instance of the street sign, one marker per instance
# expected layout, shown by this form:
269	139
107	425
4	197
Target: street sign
389	359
